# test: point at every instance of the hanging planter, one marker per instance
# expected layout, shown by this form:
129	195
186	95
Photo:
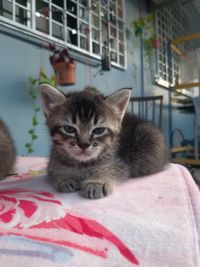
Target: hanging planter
64	66
144	28
156	42
138	26
65	72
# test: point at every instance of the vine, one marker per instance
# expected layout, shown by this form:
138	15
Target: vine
33	88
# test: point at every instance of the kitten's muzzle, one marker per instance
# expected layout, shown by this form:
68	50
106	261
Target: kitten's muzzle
83	145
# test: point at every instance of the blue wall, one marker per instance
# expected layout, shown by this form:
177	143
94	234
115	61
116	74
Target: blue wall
20	59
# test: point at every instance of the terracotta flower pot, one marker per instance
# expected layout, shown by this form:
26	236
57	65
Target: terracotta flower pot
156	43
65	72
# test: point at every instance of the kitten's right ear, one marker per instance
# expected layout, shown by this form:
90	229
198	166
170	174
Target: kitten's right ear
51	97
119	100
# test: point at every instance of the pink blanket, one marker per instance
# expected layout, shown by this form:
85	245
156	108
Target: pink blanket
150	222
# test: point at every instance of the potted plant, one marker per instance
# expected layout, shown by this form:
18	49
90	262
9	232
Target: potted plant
138	26
156	42
144	28
64	66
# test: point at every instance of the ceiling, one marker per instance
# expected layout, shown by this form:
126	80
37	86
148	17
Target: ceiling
197	5
190	7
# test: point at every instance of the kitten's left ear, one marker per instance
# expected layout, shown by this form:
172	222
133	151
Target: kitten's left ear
119	100
51	97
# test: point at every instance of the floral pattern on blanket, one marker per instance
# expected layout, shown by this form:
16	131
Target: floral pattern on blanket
143	223
40	217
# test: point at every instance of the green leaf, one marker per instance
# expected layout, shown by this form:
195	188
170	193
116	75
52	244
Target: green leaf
34	81
36	108
30	150
27	145
34	136
34	121
150	18
53	82
31	131
33	95
31	91
42	74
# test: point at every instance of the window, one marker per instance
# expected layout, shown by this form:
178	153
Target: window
171	23
94	27
18	11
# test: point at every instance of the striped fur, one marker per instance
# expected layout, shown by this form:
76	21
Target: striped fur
95	145
7	151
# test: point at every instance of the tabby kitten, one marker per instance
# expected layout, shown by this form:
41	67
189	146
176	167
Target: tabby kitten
7	151
95	144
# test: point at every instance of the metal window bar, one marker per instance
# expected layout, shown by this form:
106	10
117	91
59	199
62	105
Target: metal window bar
175	21
148	108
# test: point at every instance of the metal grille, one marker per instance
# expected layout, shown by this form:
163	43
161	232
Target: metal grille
148	108
171	22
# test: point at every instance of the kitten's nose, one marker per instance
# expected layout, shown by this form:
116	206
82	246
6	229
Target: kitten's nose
83	145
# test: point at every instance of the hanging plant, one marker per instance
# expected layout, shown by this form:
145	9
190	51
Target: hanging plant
148	48
43	78
99	72
36	109
33	88
138	26
64	66
156	42
144	28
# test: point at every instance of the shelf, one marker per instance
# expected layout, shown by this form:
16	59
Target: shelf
178	48
194	162
185	38
181	40
182	101
186	85
179	149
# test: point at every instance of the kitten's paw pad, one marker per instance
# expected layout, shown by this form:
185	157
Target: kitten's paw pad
69	185
96	190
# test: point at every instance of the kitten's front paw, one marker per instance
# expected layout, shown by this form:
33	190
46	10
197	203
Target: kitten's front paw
68	185
96	189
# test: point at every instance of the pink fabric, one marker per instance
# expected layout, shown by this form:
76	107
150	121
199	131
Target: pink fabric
152	221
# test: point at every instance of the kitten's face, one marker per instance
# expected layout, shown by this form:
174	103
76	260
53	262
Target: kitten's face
82	140
83	126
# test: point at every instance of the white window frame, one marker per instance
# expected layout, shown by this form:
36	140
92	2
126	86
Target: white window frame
170	23
30	28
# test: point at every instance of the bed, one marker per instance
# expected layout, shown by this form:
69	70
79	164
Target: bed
152	221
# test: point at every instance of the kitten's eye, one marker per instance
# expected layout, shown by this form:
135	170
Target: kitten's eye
99	130
68	130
